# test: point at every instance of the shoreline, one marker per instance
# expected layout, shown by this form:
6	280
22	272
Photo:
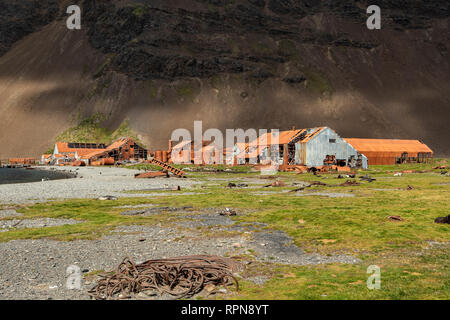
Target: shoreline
88	183
20	175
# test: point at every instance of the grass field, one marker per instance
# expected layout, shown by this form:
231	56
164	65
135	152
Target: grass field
413	254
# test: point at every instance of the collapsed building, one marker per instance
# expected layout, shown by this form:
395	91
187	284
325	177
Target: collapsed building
313	147
123	149
67	153
392	151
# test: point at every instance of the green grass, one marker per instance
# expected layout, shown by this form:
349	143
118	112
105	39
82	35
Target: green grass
425	277
359	226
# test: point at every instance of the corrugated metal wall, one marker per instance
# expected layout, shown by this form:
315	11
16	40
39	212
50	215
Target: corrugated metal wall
315	150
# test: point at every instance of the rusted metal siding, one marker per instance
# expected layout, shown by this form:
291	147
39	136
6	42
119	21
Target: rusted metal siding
300	153
388	151
327	142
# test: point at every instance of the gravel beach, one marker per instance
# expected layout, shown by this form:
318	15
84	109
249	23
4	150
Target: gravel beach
91	182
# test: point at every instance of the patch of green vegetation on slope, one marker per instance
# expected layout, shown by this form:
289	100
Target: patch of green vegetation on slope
89	130
124	131
318	82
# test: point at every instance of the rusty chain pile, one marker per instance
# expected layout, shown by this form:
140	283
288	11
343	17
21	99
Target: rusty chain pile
180	277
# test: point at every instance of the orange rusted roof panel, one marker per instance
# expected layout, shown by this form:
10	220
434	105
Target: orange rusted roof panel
285	137
388	146
63	147
270	138
93	154
117	144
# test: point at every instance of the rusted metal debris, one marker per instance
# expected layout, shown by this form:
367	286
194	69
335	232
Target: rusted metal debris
228	212
239	185
317	183
149	175
367	178
395	218
277	183
180	277
443	219
267	177
346	176
167	167
104	198
350	183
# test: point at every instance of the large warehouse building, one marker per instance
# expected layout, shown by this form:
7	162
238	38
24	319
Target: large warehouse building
392	151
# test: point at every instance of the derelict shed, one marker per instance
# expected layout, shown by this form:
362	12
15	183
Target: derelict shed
323	146
392	151
119	150
311	147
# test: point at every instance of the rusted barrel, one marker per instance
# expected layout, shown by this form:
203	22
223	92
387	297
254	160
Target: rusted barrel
108	162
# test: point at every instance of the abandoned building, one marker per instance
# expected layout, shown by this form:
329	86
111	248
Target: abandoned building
184	153
309	147
22	161
312	148
392	151
123	149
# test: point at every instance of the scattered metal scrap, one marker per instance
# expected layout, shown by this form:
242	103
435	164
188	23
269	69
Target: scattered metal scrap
277	183
346	176
350	183
443	219
180	277
317	183
395	218
367	178
152	174
228	212
104	198
167	167
239	185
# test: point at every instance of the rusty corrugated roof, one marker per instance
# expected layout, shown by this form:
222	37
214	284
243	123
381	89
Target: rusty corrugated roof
270	138
117	144
93	154
63	147
388	145
284	137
